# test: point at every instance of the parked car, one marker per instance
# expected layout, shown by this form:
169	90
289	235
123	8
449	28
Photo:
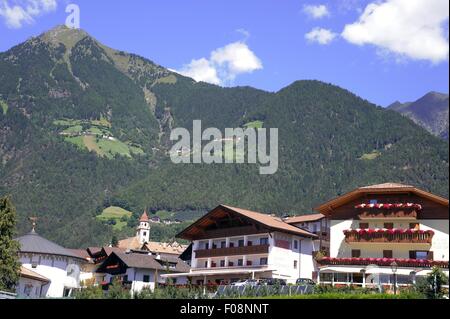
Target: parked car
305	281
273	281
246	282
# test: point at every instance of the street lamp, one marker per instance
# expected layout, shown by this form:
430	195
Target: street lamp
394	267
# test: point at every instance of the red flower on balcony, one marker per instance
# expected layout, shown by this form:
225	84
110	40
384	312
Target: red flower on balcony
383	262
389	206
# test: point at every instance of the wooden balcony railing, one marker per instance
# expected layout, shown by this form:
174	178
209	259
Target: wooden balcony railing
383	214
232	251
383	262
389	236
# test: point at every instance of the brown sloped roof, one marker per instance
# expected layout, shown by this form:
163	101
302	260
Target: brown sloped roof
378	189
304	218
153	246
268	221
144	217
130	243
82	253
165	248
144	261
27	273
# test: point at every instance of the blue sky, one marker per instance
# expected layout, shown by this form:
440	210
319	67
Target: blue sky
381	50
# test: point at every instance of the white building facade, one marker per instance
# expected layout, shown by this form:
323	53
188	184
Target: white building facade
231	244
383	234
59	265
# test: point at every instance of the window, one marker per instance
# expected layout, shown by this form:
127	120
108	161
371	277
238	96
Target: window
387	254
263	261
295	264
146	278
207	246
214	246
389	225
295	244
249	243
222	263
416	254
230	264
356	253
249	262
240	262
206	264
223	244
364	225
231	244
241	243
264	241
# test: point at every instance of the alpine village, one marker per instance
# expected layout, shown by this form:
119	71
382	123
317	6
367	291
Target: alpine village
359	205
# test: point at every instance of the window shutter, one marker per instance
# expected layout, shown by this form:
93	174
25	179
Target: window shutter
364	225
412	254
430	255
387	254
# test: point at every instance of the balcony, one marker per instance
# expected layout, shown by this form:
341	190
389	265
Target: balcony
387	210
388	236
425	263
232	251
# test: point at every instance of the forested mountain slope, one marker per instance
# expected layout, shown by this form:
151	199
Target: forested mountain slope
83	126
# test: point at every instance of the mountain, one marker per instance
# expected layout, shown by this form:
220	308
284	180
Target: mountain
84	127
430	112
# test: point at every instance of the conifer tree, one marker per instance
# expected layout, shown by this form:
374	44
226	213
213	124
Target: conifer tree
9	259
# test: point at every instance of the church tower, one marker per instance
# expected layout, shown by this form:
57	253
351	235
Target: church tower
143	230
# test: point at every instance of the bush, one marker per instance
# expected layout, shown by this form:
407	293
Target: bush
431	286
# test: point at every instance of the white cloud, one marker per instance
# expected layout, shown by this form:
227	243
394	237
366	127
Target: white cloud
201	70
320	35
316	12
223	65
16	13
407	28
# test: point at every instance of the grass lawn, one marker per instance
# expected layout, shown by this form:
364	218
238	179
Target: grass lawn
110	148
370	156
164	214
115	213
91	144
67	122
78	141
73	129
4	107
254	124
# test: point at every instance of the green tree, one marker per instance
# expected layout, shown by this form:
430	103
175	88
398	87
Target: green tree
116	291
90	292
114	241
431	286
9	265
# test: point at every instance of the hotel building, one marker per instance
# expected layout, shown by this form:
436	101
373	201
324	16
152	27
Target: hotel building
381	231
230	244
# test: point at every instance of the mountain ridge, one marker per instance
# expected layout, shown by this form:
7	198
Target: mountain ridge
88	128
431	111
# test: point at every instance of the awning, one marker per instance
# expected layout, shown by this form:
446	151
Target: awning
217	272
374	270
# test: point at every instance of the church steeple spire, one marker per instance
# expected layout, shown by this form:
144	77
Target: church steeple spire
143	230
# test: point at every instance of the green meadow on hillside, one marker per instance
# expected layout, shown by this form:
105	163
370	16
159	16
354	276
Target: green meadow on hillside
118	215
